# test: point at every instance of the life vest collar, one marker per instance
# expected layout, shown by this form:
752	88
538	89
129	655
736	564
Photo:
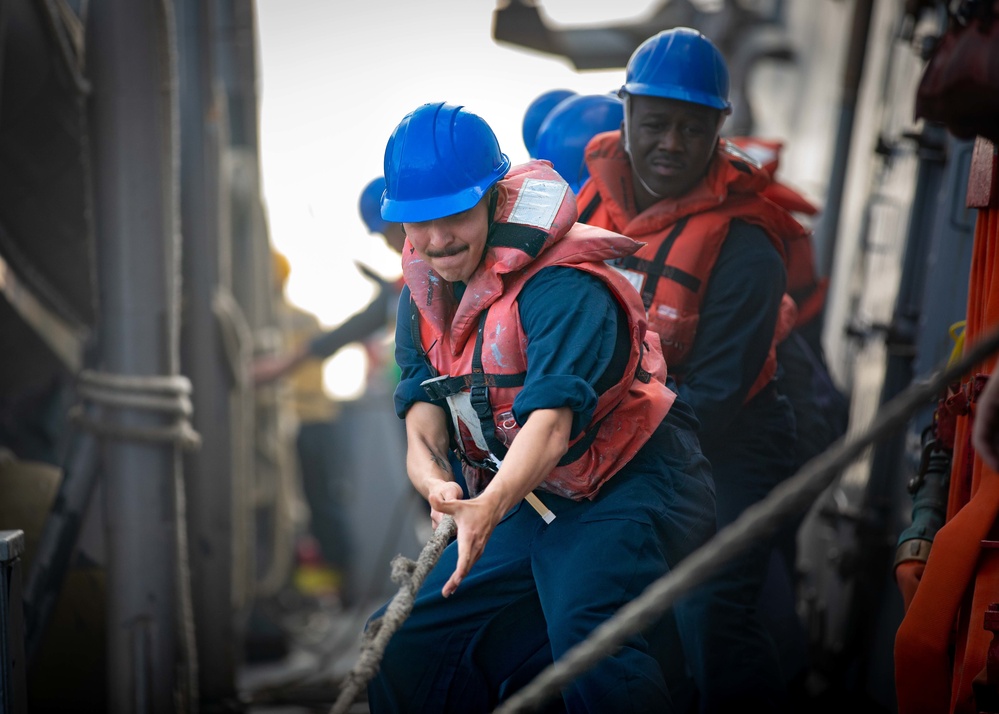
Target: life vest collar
534	210
730	172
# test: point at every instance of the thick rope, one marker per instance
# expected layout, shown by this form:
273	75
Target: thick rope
181	433
757	522
410	577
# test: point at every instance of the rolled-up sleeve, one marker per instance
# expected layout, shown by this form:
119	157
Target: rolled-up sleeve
570	319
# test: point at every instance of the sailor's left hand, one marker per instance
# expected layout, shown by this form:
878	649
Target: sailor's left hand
476	519
439	493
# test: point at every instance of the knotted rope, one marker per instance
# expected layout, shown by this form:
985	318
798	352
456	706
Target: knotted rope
410	577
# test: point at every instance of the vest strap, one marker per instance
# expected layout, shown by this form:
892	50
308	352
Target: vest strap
479	394
414	329
444	387
590	209
528	239
691	282
657	268
576	450
642	374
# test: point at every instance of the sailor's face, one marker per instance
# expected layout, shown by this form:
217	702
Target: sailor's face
453	245
670	143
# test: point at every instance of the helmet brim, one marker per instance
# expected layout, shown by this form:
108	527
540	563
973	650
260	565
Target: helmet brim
682	94
428	209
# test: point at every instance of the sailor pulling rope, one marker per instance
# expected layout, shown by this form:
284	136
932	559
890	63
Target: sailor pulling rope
759	521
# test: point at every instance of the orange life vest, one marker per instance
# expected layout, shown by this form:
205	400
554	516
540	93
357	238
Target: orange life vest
804	285
683	238
479	348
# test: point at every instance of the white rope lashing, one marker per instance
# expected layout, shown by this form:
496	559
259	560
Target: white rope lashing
167	394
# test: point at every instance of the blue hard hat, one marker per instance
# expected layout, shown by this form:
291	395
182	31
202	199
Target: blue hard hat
569	127
679	64
370	205
440	160
536	112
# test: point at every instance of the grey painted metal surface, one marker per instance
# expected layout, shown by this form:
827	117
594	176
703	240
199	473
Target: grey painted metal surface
13	694
133	113
209	472
250	264
11	546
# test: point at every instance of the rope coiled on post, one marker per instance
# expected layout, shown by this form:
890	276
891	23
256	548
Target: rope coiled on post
756	522
168	394
410	577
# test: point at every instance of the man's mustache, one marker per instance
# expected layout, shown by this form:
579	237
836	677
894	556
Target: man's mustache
446	252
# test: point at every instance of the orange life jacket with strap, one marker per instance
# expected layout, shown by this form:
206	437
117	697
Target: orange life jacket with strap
683	238
804	285
478	348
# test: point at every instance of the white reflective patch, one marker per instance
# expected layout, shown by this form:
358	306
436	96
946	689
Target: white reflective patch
636	279
667	311
741	153
761	154
538	203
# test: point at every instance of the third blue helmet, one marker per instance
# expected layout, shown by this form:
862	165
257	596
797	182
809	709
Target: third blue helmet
535	115
440	160
568	129
679	64
370	205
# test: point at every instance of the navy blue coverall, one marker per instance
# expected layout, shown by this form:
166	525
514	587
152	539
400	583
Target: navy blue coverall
751	447
539	589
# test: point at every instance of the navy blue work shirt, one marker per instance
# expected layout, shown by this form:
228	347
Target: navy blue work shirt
734	333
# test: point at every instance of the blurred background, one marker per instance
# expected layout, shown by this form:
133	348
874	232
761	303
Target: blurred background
179	188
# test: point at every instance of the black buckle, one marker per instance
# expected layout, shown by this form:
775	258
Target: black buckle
436	388
479	397
486	465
